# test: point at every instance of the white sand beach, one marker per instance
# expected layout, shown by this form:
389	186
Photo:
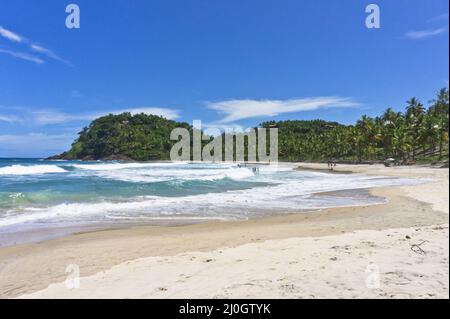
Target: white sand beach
363	264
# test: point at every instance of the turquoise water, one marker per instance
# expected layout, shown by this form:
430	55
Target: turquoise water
59	182
35	193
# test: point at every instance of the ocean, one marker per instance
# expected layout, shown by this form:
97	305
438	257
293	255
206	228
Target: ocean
36	194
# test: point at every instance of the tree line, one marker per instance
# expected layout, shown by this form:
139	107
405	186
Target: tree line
419	134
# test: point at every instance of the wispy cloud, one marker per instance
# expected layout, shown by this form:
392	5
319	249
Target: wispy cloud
55	117
10	35
39	49
49	53
235	110
424	34
23	56
8	118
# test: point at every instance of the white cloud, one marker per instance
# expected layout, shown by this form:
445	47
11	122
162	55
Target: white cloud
51	117
48	53
9	118
10	35
14	37
23	56
235	110
423	34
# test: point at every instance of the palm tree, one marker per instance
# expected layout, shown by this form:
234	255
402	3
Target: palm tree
440	109
414	117
367	135
390	120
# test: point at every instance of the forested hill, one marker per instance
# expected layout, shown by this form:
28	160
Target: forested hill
419	134
138	137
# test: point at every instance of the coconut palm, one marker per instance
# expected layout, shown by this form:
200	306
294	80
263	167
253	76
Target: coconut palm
440	110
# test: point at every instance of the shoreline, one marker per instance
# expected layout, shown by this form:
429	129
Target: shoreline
28	268
43	234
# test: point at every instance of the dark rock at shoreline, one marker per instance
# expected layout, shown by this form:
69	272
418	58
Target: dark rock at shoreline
61	156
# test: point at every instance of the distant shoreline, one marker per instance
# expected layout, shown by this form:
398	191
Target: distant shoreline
437	164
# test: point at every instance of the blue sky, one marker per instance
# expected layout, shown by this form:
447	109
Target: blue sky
228	63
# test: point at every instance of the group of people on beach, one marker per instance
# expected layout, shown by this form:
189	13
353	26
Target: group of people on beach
331	164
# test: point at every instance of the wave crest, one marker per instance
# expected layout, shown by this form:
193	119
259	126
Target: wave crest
30	170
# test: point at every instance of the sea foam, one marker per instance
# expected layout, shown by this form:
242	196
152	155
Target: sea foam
30	169
293	194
